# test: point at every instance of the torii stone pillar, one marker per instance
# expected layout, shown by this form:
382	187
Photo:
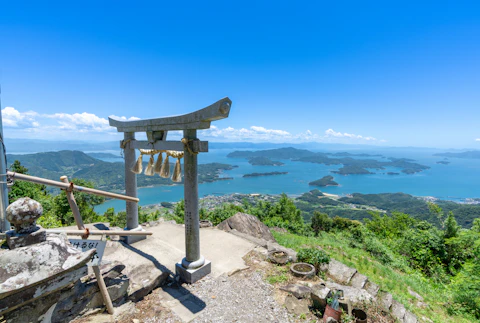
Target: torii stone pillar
131	190
194	266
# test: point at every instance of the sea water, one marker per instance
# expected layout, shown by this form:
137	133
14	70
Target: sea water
456	181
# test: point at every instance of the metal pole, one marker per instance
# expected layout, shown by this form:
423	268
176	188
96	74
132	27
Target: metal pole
4	224
99	232
130	183
68	186
193	258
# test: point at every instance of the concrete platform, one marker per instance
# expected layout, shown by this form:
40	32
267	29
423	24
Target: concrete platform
149	261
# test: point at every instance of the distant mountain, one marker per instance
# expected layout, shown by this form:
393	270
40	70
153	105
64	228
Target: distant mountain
105	175
35	145
473	154
279	153
103	155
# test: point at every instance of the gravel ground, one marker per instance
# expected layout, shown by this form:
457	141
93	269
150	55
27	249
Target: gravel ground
243	297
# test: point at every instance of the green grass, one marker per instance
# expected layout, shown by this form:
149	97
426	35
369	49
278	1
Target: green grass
435	295
278	275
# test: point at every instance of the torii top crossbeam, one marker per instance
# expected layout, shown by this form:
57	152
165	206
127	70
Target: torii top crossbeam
193	267
199	119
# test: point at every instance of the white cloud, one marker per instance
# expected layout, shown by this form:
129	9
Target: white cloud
124	118
90	126
257	133
65	125
478	139
11	117
332	133
254	133
81	122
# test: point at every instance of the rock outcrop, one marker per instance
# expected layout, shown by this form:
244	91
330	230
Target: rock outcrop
248	224
32	272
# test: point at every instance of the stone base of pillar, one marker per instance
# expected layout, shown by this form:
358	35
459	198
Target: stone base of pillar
17	240
133	239
191	276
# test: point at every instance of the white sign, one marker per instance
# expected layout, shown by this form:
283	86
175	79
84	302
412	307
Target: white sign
85	245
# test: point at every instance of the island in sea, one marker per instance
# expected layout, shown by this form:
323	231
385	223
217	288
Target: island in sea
443	162
265	174
472	154
352	170
264	161
324	181
350	165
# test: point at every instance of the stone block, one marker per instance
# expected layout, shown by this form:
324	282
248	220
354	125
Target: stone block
17	240
398	310
358	280
371	288
409	318
340	272
319	296
386	300
191	276
298	291
132	239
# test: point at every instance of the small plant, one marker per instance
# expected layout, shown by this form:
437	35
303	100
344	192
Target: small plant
282	278
313	256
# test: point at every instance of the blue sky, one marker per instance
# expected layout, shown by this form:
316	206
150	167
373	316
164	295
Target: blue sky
396	74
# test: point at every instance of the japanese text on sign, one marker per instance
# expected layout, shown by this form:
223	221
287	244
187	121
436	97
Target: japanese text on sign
85	245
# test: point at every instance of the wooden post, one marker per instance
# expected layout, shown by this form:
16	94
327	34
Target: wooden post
73	205
78	220
103	290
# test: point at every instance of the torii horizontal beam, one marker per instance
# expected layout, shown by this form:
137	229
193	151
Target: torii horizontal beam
200	119
196	146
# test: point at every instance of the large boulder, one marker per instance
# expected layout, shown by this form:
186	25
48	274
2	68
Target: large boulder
248	224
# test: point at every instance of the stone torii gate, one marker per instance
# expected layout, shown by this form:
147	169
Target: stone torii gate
193	267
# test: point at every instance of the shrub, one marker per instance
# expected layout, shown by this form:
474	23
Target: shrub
321	222
313	256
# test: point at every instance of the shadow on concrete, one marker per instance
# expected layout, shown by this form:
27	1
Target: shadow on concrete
174	289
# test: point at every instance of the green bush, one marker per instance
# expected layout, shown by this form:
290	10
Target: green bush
313	256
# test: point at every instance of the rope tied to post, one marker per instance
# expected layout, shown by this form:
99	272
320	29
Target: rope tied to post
186	142
123	143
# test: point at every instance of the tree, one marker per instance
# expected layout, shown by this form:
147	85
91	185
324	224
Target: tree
321	222
85	203
451	226
476	225
437	211
25	189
